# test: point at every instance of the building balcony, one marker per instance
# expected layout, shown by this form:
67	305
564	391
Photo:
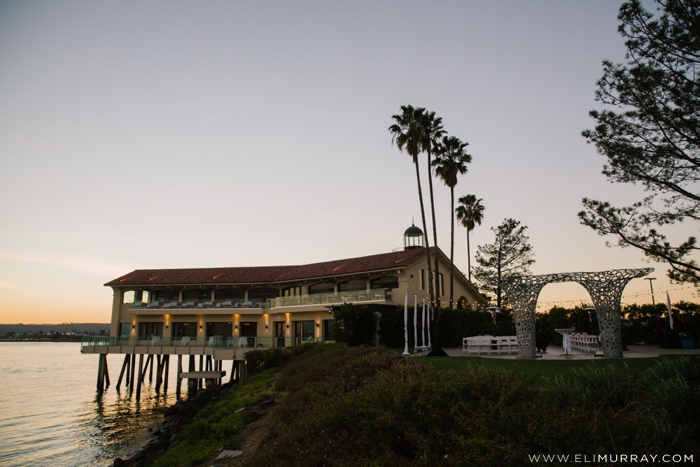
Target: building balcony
219	346
355	296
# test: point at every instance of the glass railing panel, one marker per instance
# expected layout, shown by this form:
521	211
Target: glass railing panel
88	341
327	298
198	304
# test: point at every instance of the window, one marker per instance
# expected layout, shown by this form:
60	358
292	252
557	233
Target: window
181	330
304	331
291	292
263	293
124	330
128	297
219	329
248	329
231	294
386	282
324	287
196	294
328	326
356	284
148	330
166	294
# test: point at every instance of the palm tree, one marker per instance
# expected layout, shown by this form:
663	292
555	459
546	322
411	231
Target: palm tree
450	161
432	131
408	133
470	212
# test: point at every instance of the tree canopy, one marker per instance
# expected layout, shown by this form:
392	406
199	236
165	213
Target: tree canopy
650	134
509	255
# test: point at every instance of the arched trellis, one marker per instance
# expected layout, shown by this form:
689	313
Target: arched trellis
605	289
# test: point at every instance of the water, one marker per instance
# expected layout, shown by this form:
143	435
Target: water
50	414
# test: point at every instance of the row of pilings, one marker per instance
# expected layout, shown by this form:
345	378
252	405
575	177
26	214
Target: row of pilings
134	377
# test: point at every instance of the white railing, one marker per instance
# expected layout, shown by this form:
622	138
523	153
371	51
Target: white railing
330	298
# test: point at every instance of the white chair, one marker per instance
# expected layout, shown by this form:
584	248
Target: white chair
185	341
513	344
242	342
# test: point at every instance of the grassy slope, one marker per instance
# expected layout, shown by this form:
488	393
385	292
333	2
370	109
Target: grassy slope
218	423
372	407
548	368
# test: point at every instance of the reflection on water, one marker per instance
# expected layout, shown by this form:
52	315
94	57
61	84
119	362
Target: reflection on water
50	414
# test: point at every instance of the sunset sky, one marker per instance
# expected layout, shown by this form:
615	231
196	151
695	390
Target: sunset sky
205	134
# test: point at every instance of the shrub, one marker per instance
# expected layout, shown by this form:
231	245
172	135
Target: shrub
365	406
355	325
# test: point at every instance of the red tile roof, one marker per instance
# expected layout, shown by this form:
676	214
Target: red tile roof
270	274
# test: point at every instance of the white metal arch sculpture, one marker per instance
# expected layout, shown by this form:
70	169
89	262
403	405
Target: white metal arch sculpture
605	289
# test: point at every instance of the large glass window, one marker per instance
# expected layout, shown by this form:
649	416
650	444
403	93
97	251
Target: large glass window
128	297
196	294
181	330
219	329
328	326
263	293
148	330
248	329
166	294
386	282
304	331
348	286
291	291
325	287
124	330
231	294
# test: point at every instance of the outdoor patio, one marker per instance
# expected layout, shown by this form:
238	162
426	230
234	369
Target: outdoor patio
556	352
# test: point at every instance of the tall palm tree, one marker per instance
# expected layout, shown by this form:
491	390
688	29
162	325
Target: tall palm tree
470	212
408	134
432	132
450	161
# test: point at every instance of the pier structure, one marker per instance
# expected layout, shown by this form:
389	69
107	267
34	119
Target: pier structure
213	316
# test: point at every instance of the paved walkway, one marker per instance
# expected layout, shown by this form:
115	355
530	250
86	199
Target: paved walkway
556	352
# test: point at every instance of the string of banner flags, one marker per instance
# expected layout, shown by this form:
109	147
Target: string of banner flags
626	296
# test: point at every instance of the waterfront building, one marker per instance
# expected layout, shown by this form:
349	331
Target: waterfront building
223	312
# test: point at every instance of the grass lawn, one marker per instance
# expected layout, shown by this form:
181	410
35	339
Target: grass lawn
546	368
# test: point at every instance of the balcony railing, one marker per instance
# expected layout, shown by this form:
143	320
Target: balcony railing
313	299
215	342
328	298
197	304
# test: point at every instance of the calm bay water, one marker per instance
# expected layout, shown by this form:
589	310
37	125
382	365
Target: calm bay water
50	414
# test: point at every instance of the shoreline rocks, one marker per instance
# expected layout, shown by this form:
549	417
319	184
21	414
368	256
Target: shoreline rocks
175	418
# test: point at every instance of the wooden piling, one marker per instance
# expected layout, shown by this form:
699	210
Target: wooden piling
159	375
121	373
179	372
167	369
200	382
106	373
133	372
150	368
140	381
100	373
192	383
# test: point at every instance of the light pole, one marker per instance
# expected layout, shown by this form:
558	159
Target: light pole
653	304
651	285
493	310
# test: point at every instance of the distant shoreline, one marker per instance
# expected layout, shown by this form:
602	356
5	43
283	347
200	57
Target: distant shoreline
72	339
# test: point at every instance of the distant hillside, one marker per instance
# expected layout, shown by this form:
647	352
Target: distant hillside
78	328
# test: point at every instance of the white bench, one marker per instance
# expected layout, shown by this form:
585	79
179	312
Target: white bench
490	345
